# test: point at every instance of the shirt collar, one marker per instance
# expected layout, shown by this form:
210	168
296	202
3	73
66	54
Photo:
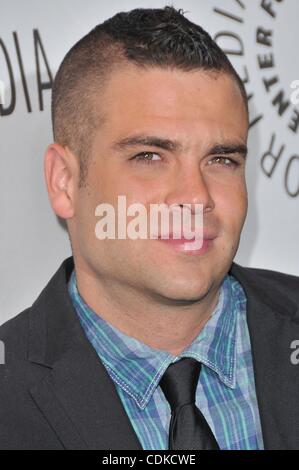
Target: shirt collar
138	368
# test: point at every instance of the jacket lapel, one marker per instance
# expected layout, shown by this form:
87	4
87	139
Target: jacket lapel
273	323
77	396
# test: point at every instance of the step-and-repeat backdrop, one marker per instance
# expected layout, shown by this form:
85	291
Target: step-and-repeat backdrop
261	37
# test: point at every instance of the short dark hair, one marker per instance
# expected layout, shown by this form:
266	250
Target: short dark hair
161	37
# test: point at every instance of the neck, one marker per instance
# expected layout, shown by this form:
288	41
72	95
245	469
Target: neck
170	326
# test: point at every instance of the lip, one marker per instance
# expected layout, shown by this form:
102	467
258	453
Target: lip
206	235
187	246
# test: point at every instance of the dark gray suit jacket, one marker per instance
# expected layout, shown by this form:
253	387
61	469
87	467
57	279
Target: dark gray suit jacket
55	393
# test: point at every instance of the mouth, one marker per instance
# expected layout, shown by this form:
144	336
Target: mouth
192	246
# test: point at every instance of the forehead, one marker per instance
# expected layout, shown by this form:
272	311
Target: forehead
191	103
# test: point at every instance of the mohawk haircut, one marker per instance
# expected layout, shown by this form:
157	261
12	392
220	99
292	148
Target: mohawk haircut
146	37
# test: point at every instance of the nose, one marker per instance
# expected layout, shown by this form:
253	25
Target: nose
190	187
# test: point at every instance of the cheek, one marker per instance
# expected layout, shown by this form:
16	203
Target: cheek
231	205
86	220
139	190
121	182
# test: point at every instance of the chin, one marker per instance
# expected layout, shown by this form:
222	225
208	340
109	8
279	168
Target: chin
185	293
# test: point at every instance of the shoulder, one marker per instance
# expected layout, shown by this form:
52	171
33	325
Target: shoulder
267	281
14	334
22	425
272	275
16	369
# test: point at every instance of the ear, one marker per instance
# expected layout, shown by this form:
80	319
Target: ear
61	170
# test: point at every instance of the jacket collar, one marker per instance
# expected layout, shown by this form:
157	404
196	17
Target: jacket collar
79	398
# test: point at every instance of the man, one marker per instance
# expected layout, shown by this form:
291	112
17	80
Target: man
147	106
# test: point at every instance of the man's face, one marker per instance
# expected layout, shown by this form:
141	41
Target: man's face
198	111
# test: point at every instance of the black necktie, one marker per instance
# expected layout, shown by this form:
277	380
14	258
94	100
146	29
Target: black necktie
188	428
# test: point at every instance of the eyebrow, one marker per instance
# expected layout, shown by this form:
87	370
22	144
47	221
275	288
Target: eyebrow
176	146
242	149
153	141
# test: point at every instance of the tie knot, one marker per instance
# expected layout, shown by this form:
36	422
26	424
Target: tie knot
179	382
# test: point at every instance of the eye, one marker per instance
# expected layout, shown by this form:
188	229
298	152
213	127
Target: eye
146	157
225	161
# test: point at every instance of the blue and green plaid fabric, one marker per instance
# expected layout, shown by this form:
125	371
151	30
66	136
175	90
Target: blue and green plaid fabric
225	393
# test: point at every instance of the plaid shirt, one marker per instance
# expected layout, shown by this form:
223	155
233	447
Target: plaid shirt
225	392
